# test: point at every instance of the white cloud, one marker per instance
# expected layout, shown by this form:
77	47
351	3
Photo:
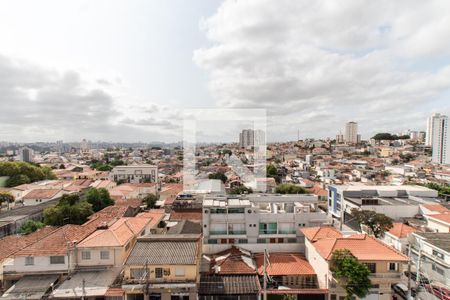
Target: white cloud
338	60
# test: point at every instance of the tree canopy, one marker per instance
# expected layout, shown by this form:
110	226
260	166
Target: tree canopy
287	188
31	226
22	172
150	200
240	190
389	137
442	189
350	274
218	175
376	222
69	210
98	198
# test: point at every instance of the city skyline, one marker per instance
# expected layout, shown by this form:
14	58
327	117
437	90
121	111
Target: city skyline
130	80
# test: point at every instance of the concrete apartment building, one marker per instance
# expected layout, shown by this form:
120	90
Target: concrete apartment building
259	221
440	139
394	201
134	173
351	135
251	138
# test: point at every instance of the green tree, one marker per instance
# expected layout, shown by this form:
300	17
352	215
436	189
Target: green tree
30	226
442	189
150	200
6	198
218	175
98	198
350	274
240	190
376	222
287	188
23	172
65	213
69	199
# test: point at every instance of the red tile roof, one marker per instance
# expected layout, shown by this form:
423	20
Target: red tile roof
436	207
42	194
191	215
401	230
444	217
284	264
316	233
233	261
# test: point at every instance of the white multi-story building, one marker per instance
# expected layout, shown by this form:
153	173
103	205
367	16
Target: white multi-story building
259	221
440	139
251	138
430	126
26	154
134	173
351	133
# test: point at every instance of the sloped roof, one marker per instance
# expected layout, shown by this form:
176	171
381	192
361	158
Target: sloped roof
362	246
229	285
316	233
444	217
401	230
165	251
42	194
232	261
14	243
117	235
284	264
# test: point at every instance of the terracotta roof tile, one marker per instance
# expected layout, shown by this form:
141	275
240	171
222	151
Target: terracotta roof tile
436	207
401	230
444	217
233	261
42	194
284	264
316	233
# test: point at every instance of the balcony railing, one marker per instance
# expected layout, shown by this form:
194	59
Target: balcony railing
286	231
268	231
386	275
218	232
236	232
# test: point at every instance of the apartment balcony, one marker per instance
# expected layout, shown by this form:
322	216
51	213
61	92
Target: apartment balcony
237	232
218	232
268	231
392	275
287	231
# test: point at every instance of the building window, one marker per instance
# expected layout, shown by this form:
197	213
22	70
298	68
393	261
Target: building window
333	297
158	273
218	211
292	240
29	261
211	242
179	272
55	260
104	254
137	273
267	228
85	255
372	267
438	270
242	241
393	267
438	254
236	210
261	241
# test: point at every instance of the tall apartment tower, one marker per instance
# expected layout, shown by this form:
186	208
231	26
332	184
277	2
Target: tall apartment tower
440	139
430	125
351	133
26	154
251	138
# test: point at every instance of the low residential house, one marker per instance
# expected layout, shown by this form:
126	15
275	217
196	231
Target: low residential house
431	255
133	191
105	184
42	195
230	274
10	245
437	217
110	245
385	263
397	236
163	267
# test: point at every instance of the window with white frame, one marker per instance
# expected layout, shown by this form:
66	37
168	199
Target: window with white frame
393	267
179	272
85	255
29	261
56	260
104	254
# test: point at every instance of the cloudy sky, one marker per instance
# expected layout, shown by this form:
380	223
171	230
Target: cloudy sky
128	70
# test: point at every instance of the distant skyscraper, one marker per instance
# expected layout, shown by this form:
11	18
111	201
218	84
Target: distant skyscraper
351	133
26	154
250	138
340	138
440	139
430	126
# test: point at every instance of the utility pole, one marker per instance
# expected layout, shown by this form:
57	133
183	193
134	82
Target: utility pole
83	293
265	276
408	297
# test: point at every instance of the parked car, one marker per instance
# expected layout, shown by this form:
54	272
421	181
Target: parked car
438	291
423	279
401	290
